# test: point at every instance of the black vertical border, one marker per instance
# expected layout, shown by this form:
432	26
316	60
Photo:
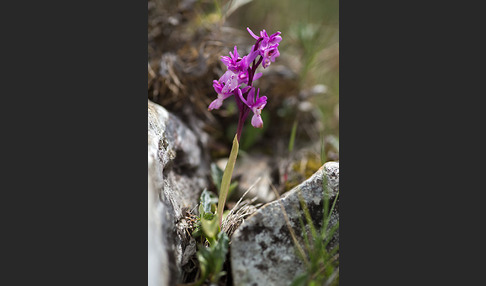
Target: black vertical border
98	236
410	143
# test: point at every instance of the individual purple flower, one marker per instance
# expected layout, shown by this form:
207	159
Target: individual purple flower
267	46
269	56
238	66
266	40
242	77
218	87
256	105
234	62
230	82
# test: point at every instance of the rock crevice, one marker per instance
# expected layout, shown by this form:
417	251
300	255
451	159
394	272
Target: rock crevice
177	173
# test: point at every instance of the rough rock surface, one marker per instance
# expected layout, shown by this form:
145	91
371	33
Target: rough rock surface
177	173
262	250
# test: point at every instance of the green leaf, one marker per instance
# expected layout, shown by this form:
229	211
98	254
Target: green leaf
306	239
300	280
219	256
292	136
210	227
329	234
232	187
307	216
216	175
225	182
204	258
196	232
327	214
323	151
211	259
208	216
205	202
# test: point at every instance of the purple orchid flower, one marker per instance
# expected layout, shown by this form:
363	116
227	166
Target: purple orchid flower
256	105
242	71
232	61
230	81
267	46
266	40
237	65
269	56
218	87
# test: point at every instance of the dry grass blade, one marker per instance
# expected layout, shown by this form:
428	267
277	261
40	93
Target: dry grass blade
239	212
235	220
244	194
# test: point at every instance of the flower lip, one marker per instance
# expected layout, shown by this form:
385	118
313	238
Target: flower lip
216	104
257	121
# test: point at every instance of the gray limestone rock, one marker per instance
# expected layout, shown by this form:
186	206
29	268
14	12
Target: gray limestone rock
177	173
262	250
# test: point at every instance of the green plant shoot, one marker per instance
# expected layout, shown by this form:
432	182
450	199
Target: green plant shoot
225	182
292	136
217	176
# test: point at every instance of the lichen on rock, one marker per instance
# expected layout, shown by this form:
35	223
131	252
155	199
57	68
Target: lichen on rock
262	249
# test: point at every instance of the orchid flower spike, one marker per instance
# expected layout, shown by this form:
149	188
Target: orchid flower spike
240	75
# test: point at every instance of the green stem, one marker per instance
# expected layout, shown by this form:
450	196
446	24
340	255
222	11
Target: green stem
226	180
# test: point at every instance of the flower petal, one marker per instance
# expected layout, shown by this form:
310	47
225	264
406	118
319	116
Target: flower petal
266	62
240	95
216	104
252	55
251	33
235	54
226	61
245	89
257	76
224	78
243	77
260	102
231	84
275	38
250	98
257	121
